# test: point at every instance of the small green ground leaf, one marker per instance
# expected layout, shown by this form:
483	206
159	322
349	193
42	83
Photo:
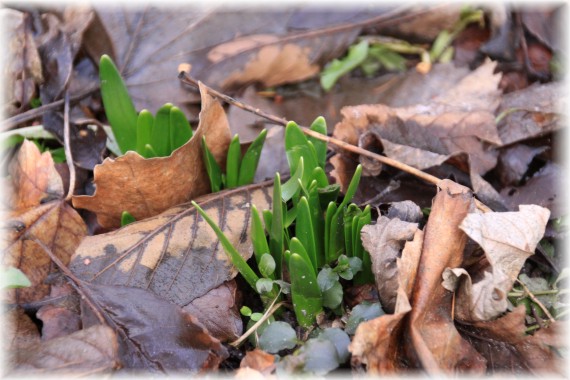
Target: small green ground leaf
127	218
13	278
233	162
212	167
180	130
361	313
245	311
339	67
277	336
319	356
266	265
161	131
326	279
340	339
333	296
145	123
264	285
250	160
118	105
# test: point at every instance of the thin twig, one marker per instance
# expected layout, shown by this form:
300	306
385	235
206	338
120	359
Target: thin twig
67	148
37	112
535	300
331	140
76	282
272	309
185	78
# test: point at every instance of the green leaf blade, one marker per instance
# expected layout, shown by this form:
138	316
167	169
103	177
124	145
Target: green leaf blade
307	297
250	160
337	68
212	167
233	162
304	231
161	131
180	130
145	123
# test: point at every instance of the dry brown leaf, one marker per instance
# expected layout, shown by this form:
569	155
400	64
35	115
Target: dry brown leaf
506	346
175	254
384	241
435	340
508	239
85	352
258	360
218	312
147	187
18	332
38	212
378	343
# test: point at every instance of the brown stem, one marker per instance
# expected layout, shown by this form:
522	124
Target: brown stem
536	301
67	148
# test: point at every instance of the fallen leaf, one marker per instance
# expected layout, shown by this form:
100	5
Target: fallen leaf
258	360
434	338
508	239
218	312
21	63
514	162
506	346
406	211
39	212
147	187
176	35
61	316
542	24
384	241
531	112
155	334
545	188
378	343
19	332
176	254
85	352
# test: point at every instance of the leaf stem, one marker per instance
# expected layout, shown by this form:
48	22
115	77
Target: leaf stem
67	148
535	300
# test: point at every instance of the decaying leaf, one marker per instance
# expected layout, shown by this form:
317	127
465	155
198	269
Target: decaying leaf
147	187
434	338
378	343
18	332
218	312
457	127
384	241
176	254
506	347
155	334
39	212
258	360
531	112
21	63
85	352
508	239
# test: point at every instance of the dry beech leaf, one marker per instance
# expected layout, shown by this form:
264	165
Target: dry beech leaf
384	241
506	346
508	239
155	334
457	127
39	212
258	360
532	112
378	343
435	340
218	312
22	69
175	254
147	187
85	352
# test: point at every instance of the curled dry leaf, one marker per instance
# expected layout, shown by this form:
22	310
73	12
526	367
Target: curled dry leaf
506	346
38	211
258	360
508	239
85	352
457	126
155	334
384	241
176	254
436	343
22	69
147	187
378	343
218	312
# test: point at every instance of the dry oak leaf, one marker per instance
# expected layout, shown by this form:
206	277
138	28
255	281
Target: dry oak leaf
378	343
384	241
176	254
37	211
508	239
506	346
85	352
147	187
